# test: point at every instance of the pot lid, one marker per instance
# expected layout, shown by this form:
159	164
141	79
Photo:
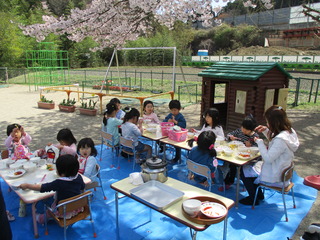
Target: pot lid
155	163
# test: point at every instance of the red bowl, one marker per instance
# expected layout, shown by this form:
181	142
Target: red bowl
312	181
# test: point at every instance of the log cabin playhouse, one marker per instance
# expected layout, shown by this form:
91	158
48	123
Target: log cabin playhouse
238	89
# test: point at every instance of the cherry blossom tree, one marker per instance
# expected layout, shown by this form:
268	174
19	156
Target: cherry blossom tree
111	23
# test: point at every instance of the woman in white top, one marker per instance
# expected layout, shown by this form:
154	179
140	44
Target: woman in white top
212	123
130	130
283	142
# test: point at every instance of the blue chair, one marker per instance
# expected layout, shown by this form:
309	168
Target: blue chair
129	144
108	140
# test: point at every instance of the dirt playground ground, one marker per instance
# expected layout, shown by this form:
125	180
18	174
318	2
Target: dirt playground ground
19	105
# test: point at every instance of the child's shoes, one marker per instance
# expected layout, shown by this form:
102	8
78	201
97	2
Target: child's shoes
10	216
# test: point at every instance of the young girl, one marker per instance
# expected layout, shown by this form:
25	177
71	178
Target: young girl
245	134
67	142
130	130
86	157
212	123
17	142
148	112
204	154
275	158
69	183
111	123
120	114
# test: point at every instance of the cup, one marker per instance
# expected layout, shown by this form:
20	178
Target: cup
192	206
42	162
135	178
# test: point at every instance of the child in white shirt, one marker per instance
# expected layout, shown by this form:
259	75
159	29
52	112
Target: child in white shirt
130	130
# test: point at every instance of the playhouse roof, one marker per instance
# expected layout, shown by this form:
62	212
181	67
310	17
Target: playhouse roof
241	70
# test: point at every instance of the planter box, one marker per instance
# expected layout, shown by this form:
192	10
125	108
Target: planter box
45	105
63	108
90	112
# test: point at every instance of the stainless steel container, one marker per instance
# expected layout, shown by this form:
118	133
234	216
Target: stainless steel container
154	169
159	174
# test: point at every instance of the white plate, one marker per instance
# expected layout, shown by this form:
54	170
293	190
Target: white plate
242	157
213	209
13	174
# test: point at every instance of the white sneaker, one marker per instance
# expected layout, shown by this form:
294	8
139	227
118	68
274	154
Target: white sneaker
314	227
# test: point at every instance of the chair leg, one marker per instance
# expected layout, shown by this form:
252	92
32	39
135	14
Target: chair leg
255	197
91	219
104	195
284	205
294	201
101	150
45	220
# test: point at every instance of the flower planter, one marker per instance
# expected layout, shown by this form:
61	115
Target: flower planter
64	108
45	105
89	112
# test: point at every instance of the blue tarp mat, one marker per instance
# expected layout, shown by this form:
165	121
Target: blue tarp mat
266	221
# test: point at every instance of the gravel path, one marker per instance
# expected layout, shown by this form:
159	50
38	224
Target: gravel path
20	106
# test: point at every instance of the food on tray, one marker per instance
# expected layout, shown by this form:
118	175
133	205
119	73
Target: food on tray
244	154
213	209
50	167
17	173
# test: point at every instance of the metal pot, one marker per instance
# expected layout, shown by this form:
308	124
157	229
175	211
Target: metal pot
154	169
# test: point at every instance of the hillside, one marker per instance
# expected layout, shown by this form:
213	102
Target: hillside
276	50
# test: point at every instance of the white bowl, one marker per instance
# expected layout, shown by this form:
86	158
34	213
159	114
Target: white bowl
190	134
147	121
228	152
22	161
191	206
219	151
152	125
243	149
30	167
35	160
152	130
16	165
254	150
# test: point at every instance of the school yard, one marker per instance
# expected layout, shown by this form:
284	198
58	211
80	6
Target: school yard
19	105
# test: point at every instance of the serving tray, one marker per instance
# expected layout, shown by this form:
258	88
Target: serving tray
201	218
156	194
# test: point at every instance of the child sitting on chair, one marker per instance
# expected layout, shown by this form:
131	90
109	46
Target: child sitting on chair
130	130
245	134
111	123
17	142
69	184
204	154
149	113
120	113
178	119
86	157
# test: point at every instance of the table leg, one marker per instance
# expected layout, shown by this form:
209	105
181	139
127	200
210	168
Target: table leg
34	219
164	152
117	213
225	228
193	234
238	186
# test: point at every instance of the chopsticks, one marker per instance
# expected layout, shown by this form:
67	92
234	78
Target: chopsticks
44	176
